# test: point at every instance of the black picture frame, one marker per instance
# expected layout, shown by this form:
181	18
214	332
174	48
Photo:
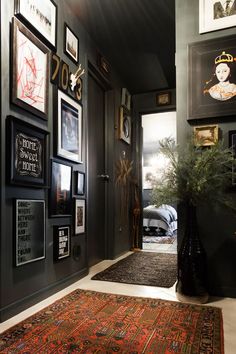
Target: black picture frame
61	242
202	58
71	44
60	202
29	55
28	154
29	231
163	98
79	183
42	21
232	145
68	123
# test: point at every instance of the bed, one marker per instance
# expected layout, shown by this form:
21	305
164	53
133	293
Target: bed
159	219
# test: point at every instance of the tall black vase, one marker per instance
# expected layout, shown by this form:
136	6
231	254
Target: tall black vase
191	283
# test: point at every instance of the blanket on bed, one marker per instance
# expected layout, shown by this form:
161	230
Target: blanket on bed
164	212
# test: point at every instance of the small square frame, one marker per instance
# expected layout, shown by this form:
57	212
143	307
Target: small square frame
71	44
206	135
163	98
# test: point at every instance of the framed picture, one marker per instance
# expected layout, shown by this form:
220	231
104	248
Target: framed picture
232	145
216	14
60	193
30	230
61	242
71	44
212	78
103	65
28	154
79	216
206	135
80	183
68	119
30	56
41	17
125	98
163	98
125	126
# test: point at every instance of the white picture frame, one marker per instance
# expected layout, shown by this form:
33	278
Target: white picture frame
212	15
79	216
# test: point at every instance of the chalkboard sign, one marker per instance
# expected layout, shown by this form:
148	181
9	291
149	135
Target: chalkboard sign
61	242
28	154
30	230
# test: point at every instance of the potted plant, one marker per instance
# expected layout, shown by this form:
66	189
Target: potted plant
195	175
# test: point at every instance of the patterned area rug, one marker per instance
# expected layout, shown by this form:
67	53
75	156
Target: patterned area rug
92	322
159	239
143	268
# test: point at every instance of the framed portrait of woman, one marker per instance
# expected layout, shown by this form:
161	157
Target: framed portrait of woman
212	78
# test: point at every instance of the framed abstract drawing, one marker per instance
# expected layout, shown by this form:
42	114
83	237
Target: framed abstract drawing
41	17
28	154
212	78
216	14
68	118
30	230
125	126
79	216
60	202
71	44
61	242
30	56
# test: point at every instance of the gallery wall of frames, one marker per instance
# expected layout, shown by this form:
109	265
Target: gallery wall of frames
206	109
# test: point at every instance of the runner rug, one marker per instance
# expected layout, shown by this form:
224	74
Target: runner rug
93	322
143	268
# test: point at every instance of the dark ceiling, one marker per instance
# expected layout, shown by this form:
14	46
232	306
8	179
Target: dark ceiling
137	37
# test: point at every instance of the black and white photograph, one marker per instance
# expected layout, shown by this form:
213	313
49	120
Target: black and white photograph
71	44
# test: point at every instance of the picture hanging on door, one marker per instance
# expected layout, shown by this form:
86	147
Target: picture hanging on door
125	126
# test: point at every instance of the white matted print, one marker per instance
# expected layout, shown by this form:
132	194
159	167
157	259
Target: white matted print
71	44
216	14
79	216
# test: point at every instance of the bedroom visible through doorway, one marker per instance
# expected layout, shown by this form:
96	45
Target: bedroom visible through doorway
159	221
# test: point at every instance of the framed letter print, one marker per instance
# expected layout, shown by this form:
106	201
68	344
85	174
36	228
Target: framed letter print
79	216
69	128
61	242
30	71
212	78
41	16
28	158
30	230
216	14
71	44
125	126
60	193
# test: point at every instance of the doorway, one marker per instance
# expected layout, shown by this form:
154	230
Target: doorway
159	229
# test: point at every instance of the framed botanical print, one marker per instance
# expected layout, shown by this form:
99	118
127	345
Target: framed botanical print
30	230
206	135
60	202
71	44
30	71
28	154
41	17
68	117
61	242
212	78
125	126
125	98
80	183
216	15
79	216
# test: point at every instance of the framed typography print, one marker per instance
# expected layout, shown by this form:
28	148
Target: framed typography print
60	192
206	135
125	126
79	216
212	78
30	230
216	14
41	17
28	154
30	71
61	242
80	183
68	117
71	44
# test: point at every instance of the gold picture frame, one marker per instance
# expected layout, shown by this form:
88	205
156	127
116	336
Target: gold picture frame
206	135
163	98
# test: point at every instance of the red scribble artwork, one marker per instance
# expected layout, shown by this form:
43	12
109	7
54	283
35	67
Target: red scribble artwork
31	64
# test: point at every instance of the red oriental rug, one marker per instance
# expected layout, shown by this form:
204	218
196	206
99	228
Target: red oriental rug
93	322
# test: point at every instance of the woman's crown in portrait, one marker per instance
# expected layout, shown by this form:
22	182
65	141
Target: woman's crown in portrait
224	58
